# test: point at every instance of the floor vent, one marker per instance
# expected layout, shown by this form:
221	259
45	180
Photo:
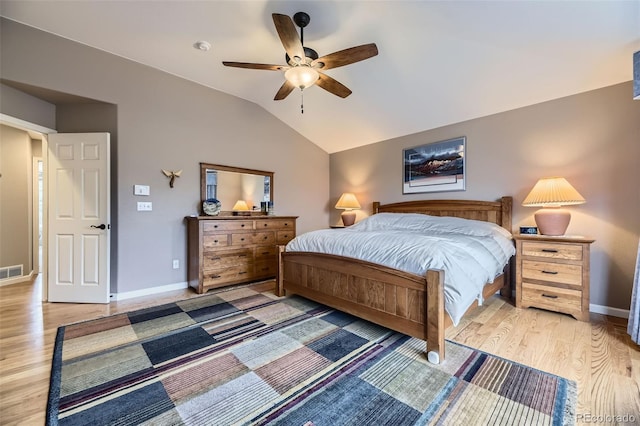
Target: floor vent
10	272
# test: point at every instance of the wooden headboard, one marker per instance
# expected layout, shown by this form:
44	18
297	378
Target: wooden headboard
498	212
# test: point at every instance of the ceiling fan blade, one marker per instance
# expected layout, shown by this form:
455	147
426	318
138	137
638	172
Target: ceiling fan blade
333	86
346	56
254	66
284	91
289	36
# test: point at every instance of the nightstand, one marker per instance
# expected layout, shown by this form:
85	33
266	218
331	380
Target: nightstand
553	273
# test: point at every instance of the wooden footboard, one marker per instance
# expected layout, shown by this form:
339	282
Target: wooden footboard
397	300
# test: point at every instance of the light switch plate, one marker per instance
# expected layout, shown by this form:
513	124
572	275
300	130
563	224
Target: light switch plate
141	190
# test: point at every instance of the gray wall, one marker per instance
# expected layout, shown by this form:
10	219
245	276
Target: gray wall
16	197
164	122
26	107
592	139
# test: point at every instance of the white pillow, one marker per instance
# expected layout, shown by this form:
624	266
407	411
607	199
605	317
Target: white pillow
423	223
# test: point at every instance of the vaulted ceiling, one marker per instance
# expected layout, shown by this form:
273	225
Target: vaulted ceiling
439	62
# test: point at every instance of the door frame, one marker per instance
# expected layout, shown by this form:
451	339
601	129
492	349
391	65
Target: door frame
37	267
32	127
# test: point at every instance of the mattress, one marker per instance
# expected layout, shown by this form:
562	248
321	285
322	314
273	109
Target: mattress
471	253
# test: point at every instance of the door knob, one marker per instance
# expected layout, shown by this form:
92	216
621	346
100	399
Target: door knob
101	226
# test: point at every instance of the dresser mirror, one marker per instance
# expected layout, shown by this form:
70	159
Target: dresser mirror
232	184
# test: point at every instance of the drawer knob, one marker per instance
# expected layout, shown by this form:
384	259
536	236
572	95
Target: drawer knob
215	226
266	224
550	272
242	272
215	276
265	237
550	250
242	226
215	241
550	296
241	239
265	252
215	258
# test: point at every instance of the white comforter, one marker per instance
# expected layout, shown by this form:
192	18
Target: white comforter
470	252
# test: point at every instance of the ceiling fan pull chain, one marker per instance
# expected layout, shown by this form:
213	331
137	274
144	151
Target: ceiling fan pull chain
301	101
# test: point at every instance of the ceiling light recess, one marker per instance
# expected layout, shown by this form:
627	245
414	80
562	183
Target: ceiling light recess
202	45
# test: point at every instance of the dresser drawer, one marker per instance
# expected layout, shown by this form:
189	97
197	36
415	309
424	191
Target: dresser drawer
225	258
265	268
227	225
226	275
552	250
274	224
283	237
214	241
253	238
552	298
552	272
263	252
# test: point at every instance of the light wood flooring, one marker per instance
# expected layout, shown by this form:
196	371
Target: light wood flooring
598	355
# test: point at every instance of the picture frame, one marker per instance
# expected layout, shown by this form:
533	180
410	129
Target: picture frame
435	167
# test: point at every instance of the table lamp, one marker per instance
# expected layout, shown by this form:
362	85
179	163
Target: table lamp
348	202
240	208
551	194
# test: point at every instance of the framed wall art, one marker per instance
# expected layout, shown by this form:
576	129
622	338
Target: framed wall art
435	167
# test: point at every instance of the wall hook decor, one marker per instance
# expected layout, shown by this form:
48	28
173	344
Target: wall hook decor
171	175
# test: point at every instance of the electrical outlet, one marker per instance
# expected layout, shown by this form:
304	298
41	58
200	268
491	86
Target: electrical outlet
176	264
145	206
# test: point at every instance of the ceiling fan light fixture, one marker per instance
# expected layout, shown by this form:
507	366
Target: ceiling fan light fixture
302	76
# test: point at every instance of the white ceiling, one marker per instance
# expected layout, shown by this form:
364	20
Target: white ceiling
440	62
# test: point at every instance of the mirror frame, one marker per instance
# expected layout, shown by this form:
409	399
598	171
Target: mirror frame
203	178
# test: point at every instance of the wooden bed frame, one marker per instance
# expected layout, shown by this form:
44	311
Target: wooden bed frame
401	301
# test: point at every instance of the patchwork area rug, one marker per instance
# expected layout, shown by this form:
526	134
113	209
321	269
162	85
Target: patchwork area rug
242	357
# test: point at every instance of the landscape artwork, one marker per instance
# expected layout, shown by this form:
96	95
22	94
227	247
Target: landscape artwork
435	167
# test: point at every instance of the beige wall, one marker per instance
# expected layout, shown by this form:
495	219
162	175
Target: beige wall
15	198
164	122
592	139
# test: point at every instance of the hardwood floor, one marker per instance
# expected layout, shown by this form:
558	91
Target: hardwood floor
598	355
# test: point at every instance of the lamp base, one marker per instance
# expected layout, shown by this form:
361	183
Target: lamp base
348	217
552	221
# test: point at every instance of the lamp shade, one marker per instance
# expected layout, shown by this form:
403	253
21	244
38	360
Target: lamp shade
347	201
553	192
240	205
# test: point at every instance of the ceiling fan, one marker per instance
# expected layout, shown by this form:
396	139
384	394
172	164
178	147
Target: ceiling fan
304	67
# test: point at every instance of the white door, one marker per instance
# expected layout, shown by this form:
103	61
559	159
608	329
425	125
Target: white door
79	231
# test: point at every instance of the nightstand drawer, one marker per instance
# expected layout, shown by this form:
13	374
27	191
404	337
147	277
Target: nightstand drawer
552	250
552	272
552	298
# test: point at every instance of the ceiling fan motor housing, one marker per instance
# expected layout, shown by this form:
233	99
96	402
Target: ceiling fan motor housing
309	53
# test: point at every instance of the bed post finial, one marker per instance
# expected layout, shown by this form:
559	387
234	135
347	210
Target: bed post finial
376	207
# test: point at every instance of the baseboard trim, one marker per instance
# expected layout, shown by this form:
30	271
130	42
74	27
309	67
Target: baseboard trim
607	310
16	280
148	291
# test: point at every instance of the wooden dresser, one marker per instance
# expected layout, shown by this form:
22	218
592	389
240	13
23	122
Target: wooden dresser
225	250
553	273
